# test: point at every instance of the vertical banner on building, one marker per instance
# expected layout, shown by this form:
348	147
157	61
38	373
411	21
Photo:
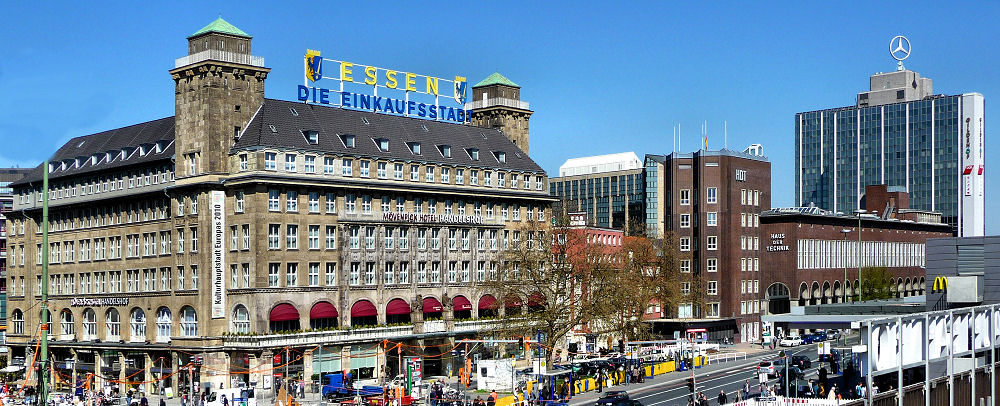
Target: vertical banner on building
972	207
218	210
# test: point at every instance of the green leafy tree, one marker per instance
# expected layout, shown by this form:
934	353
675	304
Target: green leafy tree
876	283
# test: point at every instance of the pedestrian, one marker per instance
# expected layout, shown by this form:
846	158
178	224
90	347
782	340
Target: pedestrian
746	389
143	401
833	392
723	399
492	399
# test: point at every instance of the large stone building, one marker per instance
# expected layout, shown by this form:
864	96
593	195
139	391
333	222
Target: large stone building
709	202
243	230
609	189
7	175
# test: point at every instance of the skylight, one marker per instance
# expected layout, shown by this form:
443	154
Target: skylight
382	144
414	147
445	150
273	128
293	111
365	120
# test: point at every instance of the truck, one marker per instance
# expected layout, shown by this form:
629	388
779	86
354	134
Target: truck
335	387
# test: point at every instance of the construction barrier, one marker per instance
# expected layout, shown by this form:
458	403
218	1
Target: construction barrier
783	401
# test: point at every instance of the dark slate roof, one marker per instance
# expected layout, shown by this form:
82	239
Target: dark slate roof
13	174
331	122
148	134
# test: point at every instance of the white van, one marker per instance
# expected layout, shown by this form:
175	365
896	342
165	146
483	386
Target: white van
234	397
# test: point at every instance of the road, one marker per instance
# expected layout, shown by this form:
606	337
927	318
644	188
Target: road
671	389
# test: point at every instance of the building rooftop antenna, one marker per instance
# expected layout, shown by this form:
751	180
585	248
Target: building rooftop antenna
725	134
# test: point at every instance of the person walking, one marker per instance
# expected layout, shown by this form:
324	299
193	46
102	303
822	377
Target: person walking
723	399
746	389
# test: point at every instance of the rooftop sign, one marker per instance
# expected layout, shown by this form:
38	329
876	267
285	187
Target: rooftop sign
357	86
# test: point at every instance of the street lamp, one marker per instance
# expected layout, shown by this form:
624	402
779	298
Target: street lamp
844	286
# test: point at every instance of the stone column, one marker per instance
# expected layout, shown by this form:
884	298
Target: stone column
345	358
307	367
98	370
257	369
121	372
175	379
147	374
72	378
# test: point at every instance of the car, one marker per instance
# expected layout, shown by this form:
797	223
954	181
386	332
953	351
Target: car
820	336
790	341
833	334
765	367
614	398
802	361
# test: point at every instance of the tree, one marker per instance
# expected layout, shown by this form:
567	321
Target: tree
876	283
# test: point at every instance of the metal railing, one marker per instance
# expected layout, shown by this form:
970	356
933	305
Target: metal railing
724	356
222	56
497	101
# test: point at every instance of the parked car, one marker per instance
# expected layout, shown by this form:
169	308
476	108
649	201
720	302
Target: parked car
833	334
790	341
802	361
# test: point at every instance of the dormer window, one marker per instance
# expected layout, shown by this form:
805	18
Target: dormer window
365	120
445	150
142	150
348	140
311	136
274	129
414	147
473	153
501	156
382	144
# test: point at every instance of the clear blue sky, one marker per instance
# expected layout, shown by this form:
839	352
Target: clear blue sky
601	78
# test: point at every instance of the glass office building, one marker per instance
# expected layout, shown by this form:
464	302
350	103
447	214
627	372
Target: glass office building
928	145
609	188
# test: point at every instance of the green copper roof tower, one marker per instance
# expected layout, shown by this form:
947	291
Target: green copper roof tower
496	78
222	27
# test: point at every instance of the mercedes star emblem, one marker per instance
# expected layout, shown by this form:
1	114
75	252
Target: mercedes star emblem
899	48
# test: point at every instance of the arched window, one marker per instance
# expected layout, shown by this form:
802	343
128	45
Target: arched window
114	323
89	324
138	325
241	320
66	322
17	318
163	324
189	322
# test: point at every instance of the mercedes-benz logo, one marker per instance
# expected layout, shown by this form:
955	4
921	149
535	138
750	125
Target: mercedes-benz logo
899	48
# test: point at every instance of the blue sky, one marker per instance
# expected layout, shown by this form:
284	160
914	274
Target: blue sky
600	78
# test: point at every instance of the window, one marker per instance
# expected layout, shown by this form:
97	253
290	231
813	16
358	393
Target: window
291	201
239	202
685	196
246	275
397	171
380	170
292	236
313	237
364	172
421	272
328	166
331	203
350	203
712	243
243	162
389	242
291	274
452	272
331	237
446	151
370	273
331	274
711	219
743	196
273	200
241	320
435	272
685	243
272	274
422	239
429	173
414	148
163	324
370	238
355	274
712	310
713	288
389	274
473	177
414	173
366	204
459	176
487	178
348	140
273	237
445	173
270	159
539	183
711	195
189	322
404	239
66	323
354	238
313	274
309	165
686	265
385	204
194	239
313	202
137	324
685	220
712	264
289	162
501	156
347	168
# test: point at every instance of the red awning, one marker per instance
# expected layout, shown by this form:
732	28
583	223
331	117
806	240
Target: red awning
323	310
461	303
363	308
432	305
284	312
536	299
396	307
487	302
512	302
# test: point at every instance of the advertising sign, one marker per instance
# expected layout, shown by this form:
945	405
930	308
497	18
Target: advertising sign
382	90
217	200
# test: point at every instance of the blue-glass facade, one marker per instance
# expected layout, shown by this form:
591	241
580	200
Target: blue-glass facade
913	145
611	200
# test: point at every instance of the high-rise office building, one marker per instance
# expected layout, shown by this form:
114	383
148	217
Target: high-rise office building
610	189
710	201
898	133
